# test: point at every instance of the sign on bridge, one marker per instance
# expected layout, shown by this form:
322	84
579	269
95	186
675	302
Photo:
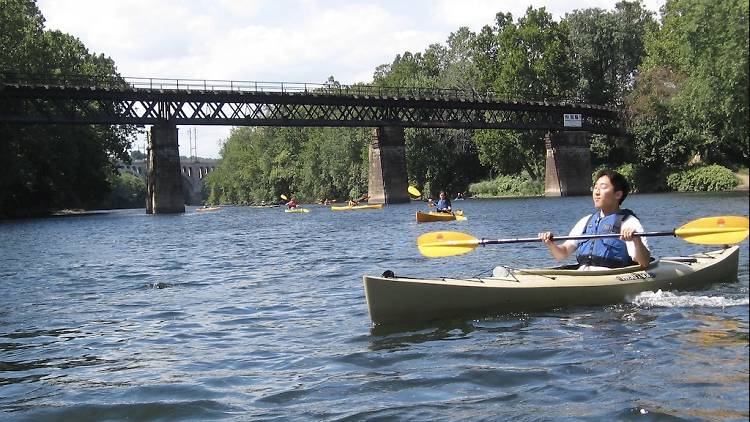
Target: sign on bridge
572	120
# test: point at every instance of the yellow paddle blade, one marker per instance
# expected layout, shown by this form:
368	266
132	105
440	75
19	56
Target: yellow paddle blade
414	191
437	244
720	230
282	196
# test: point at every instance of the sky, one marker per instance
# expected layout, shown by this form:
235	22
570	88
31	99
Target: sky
273	40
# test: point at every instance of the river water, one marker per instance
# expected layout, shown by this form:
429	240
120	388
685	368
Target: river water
254	314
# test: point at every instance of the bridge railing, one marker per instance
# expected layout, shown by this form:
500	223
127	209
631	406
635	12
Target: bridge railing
209	85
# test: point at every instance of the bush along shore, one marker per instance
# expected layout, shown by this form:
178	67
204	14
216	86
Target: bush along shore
699	178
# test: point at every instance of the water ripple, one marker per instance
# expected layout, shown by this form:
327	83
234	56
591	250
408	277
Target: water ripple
253	314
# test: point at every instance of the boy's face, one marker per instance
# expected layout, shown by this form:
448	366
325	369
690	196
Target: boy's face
604	195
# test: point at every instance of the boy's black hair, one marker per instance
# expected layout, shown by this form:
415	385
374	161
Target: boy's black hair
618	182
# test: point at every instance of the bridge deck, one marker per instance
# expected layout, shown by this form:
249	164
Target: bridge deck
284	104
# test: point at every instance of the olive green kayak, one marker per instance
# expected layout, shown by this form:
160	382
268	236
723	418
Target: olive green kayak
393	299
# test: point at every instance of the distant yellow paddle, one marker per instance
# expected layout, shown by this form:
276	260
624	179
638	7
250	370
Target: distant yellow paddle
282	196
414	192
720	230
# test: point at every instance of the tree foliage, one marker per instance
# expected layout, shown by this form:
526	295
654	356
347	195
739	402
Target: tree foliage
691	99
128	191
705	178
607	47
261	164
53	166
528	59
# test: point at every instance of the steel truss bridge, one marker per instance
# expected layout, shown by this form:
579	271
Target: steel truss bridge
29	99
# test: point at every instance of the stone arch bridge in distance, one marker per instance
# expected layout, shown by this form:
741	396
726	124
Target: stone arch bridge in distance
192	171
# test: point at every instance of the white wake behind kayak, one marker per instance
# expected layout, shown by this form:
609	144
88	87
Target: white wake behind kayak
404	299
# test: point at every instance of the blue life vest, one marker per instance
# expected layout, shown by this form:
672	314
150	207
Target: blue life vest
443	204
609	251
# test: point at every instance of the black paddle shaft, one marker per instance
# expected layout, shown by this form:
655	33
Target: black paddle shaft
581	237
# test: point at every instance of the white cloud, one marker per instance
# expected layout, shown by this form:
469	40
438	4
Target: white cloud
272	40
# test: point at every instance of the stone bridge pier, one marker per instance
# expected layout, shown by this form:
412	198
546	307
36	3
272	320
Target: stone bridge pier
568	167
164	179
388	181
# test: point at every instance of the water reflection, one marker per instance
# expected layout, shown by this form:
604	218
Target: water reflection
248	314
399	336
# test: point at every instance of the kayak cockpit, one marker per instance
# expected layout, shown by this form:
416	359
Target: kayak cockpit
573	270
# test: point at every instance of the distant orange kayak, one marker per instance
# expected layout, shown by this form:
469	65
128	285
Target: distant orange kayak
427	217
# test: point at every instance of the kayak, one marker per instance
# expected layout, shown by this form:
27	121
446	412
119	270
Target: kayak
356	207
403	299
207	209
426	217
297	210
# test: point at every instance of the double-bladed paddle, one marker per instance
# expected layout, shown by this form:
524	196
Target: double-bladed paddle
720	230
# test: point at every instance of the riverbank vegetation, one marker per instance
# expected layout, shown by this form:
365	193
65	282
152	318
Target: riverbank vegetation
520	185
261	164
704	178
128	191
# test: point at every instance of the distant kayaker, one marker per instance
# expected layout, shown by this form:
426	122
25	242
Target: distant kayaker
443	204
608	192
292	204
354	202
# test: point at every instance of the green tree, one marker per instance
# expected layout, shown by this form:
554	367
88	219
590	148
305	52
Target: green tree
53	166
510	152
442	159
527	60
459	69
700	56
607	47
129	191
260	164
334	163
658	140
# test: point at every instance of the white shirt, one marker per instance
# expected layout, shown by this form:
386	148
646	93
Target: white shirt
580	227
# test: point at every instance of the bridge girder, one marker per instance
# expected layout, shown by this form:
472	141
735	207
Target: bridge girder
51	104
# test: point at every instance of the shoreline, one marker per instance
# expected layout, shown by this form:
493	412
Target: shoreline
744	184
